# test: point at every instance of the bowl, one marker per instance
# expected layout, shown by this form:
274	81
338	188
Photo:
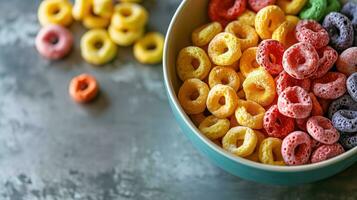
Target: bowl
189	15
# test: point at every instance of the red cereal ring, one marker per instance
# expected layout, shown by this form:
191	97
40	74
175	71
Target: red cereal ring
256	5
321	129
277	125
301	123
325	104
296	148
295	102
326	151
269	55
300	60
331	86
312	32
315	144
316	106
327	57
224	11
284	80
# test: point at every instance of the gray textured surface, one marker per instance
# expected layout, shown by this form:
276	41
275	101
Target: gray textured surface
125	145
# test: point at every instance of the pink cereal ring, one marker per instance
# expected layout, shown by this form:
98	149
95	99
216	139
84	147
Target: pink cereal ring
300	60
277	125
347	62
327	57
326	151
295	102
256	5
312	32
284	80
269	55
296	148
322	130
331	86
54	42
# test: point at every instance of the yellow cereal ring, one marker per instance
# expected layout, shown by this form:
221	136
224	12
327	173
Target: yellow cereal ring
92	21
213	127
148	50
103	8
224	49
97	47
225	76
241	79
240	135
285	34
250	114
197	118
267	20
80	9
293	19
292	7
255	155
241	94
247	17
192	96
192	62
130	15
55	12
246	34
259	86
204	34
123	36
270	151
248	62
222	101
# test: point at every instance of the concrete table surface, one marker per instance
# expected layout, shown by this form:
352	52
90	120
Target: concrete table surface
124	145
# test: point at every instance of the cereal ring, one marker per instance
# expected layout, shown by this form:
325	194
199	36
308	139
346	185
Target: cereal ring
241	78
293	19
300	60
259	86
192	62
325	152
241	94
54	42
296	148
246	34
301	124
247	62
285	34
312	32
213	127
80	9
314	9
350	11
295	102
197	118
243	135
249	114
224	49
276	124
269	56
340	30
202	35
257	5
222	101
331	86
192	95
255	155
97	48
343	103
248	17
348	141
325	104
83	88
124	36
224	76
284	80
316	106
345	121
322	130
267	20
347	62
129	15
148	49
327	57
269	151
352	86
55	12
227	10
332	6
291	7
233	121
103	8
92	21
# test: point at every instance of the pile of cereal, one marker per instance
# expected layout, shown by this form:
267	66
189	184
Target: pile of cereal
110	24
274	81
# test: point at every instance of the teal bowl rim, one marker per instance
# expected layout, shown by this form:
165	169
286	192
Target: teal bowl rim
177	108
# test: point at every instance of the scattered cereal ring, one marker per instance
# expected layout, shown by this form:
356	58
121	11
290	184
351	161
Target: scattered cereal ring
331	86
300	60
193	62
103	8
148	49
322	130
83	88
55	12
124	36
276	124
314	9
327	57
192	96
80	9
224	76
291	7
347	62
257	5
345	102
227	10
249	114
224	49
202	35
350	11
348	141
295	102
284	80
269	151
312	32
54	41
345	121
325	152
222	101
317	109
248	17
242	134
267	20
332	6
247	62
213	127
255	155
296	148
129	15
269	56
285	34
246	34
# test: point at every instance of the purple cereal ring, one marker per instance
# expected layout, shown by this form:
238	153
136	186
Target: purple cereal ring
330	86
327	57
296	148
300	60
312	32
343	103
269	55
284	80
326	151
54	42
295	102
347	62
322	130
351	85
348	141
350	11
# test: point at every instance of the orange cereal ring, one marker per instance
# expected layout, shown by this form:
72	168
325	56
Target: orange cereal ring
224	76
224	49
267	20
222	101
246	34
248	62
293	19
285	34
241	78
192	96
83	88
201	36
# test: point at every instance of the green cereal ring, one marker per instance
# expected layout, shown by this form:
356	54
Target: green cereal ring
314	9
332	6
